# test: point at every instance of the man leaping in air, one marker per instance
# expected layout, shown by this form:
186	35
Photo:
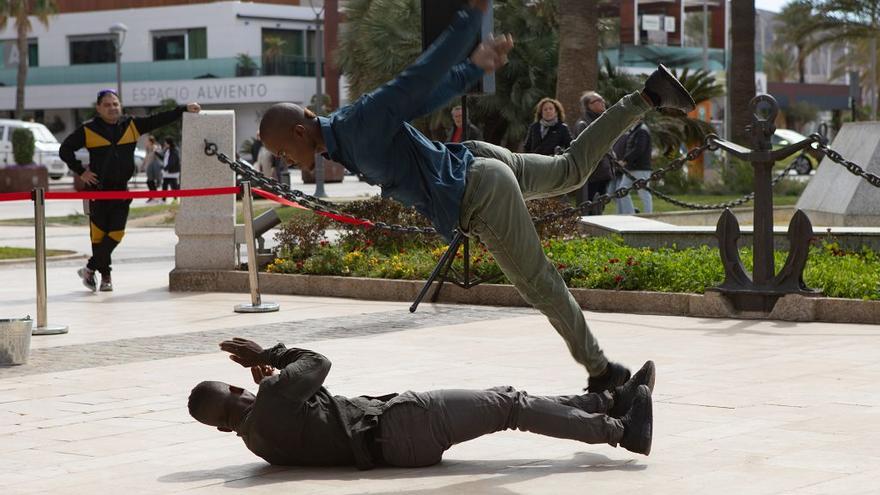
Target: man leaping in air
475	187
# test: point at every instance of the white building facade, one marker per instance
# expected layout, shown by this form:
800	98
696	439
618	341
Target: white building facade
224	55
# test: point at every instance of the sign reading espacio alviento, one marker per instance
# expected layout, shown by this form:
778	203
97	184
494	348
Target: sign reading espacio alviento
208	92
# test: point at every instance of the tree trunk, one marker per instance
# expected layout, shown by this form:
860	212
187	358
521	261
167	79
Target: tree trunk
578	54
741	79
802	62
22	68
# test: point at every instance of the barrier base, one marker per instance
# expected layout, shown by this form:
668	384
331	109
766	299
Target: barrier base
49	330
266	307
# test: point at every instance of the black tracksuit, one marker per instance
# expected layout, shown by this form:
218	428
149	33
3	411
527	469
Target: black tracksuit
111	157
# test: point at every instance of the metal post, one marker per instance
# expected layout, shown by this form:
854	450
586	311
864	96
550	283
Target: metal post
42	328
119	71
319	100
706	35
256	305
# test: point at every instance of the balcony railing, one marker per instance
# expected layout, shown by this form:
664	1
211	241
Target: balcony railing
166	70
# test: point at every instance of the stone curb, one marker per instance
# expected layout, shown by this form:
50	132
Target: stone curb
792	307
24	261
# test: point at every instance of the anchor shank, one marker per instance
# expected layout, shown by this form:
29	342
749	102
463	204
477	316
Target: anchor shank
763	225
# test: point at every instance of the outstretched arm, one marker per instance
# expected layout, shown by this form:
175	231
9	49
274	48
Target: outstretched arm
157	120
488	57
410	92
302	371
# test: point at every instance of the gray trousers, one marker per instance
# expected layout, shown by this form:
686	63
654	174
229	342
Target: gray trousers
494	211
417	427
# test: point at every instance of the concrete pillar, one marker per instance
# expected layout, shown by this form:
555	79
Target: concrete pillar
205	225
834	196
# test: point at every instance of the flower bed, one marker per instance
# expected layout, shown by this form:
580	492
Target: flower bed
594	263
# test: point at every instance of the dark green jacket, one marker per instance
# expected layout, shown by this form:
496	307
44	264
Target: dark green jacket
111	146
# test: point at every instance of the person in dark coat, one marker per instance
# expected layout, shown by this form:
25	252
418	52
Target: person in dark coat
593	105
295	421
548	135
456	134
636	160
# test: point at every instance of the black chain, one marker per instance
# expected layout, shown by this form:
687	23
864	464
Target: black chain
257	179
852	167
314	203
623	192
717	206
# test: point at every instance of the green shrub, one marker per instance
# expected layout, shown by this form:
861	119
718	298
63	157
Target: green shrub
23	146
599	263
737	176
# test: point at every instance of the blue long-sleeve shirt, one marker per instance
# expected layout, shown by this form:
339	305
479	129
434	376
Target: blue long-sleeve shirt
372	136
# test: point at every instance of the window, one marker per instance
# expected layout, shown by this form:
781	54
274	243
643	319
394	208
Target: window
181	44
98	49
9	51
285	52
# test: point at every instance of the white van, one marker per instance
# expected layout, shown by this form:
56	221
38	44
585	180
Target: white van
46	152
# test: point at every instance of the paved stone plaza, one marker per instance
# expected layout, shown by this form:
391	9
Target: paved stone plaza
740	406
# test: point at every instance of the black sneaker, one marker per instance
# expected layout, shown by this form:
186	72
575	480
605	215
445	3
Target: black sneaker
624	394
106	283
638	423
88	278
665	91
614	376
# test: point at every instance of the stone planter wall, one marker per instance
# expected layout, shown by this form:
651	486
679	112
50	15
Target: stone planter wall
710	305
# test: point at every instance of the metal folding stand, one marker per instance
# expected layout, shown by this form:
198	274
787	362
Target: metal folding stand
42	328
256	305
444	266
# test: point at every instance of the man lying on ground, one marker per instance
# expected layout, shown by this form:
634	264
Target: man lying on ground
294	421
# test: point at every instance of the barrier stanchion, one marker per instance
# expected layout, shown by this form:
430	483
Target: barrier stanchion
42	328
256	305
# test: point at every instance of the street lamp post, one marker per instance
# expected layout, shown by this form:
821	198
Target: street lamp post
319	94
119	29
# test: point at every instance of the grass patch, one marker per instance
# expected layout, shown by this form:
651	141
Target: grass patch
11	253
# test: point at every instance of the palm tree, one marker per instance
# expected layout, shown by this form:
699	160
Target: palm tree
851	20
578	53
20	10
273	49
742	68
778	65
798	28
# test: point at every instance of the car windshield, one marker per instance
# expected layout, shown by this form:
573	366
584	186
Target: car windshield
42	134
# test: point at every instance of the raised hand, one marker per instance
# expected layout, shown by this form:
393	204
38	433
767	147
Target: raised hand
261	372
483	5
193	107
491	55
243	351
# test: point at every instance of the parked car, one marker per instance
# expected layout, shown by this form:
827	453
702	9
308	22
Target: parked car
46	146
805	161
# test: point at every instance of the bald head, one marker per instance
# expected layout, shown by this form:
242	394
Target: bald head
293	133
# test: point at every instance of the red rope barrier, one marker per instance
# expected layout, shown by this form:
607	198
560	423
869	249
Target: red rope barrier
212	191
287	202
16	196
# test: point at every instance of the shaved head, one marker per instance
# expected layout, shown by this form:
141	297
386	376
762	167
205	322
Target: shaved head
292	133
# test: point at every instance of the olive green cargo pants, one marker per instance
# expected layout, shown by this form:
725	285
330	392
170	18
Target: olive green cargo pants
494	211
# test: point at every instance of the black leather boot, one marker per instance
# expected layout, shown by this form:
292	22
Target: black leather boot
638	423
613	376
665	91
624	394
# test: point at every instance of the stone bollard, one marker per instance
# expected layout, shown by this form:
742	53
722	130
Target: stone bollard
835	197
205	226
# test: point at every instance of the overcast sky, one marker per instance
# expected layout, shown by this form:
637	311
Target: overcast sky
774	5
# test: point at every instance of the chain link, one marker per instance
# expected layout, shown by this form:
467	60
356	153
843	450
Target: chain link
852	167
314	203
623	192
715	206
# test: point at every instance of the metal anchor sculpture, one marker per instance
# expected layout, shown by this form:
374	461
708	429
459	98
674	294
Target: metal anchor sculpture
761	291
